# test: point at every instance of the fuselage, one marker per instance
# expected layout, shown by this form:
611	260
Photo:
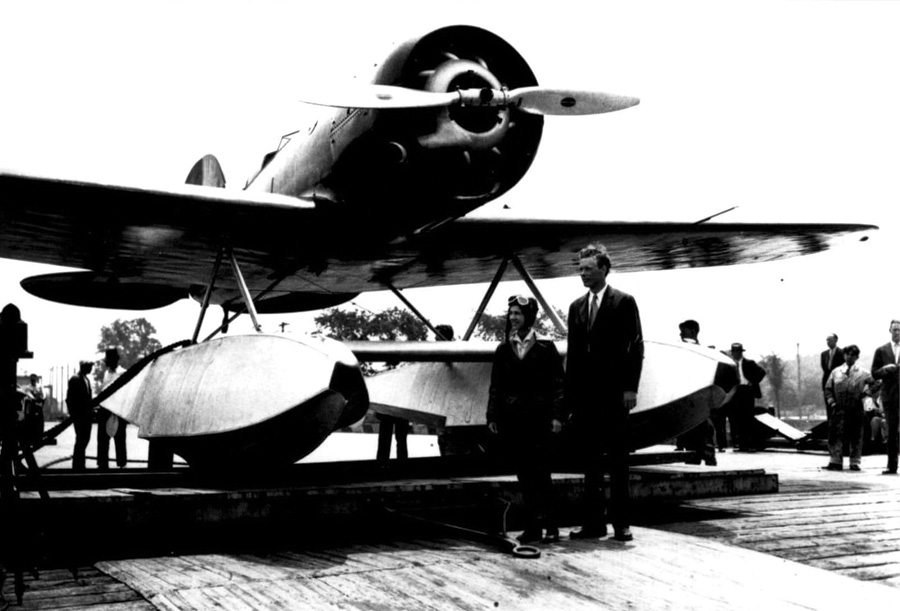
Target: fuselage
401	171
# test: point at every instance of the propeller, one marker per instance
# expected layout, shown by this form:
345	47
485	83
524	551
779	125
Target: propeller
533	100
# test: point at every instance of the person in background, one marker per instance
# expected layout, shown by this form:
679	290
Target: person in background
524	410
78	402
844	391
110	425
702	438
397	427
392	426
743	402
33	423
831	359
885	368
604	361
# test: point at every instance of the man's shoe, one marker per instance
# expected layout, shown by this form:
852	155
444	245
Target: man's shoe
589	532
712	463
529	535
855	468
834	467
889	472
552	536
623	534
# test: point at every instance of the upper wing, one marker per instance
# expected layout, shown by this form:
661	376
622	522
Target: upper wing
467	249
146	247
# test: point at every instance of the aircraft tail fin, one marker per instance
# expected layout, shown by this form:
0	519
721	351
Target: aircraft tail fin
206	172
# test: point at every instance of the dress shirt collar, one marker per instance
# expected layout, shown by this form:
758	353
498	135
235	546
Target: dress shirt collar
523	344
599	294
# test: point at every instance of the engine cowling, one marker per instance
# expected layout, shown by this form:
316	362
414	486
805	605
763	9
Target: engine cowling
451	159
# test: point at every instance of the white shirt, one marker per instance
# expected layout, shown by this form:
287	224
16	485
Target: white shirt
590	297
109	377
740	369
523	345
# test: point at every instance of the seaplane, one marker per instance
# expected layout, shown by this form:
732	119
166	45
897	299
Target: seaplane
373	195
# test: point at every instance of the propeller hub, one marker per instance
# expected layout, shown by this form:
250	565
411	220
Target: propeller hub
472	127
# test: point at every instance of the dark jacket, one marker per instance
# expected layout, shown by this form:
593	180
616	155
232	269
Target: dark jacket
836	362
890	397
78	398
754	375
605	360
529	389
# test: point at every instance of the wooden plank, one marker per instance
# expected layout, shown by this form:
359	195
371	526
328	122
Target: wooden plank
659	571
90	600
847	526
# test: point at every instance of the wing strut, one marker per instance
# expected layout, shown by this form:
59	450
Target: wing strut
245	292
207	295
498	276
501	269
538	295
413	309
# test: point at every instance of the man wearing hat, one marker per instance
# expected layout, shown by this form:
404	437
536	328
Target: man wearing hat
702	438
742	404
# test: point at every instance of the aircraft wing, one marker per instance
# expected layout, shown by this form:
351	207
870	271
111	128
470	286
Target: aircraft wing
470	247
144	248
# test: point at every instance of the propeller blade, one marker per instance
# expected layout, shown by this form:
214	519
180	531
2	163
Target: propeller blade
534	100
544	101
380	97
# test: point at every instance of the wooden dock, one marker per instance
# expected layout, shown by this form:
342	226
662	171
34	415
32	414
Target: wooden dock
827	540
844	522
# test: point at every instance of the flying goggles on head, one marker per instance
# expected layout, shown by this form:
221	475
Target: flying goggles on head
521	300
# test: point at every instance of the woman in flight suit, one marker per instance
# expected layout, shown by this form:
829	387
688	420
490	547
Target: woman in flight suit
524	410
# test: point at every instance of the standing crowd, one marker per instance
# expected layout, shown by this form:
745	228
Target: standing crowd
851	391
80	403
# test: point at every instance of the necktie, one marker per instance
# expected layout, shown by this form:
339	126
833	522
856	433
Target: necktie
896	352
592	312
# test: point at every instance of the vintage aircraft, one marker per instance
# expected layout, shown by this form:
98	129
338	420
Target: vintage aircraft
372	196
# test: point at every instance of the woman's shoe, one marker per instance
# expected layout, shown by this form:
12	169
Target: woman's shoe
552	536
529	535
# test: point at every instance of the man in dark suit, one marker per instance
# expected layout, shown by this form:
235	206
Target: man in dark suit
78	401
604	360
701	439
885	368
831	358
743	403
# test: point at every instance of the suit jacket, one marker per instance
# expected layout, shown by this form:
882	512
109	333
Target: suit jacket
78	397
754	375
836	362
890	398
605	360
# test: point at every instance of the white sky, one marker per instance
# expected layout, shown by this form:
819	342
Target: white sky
788	110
